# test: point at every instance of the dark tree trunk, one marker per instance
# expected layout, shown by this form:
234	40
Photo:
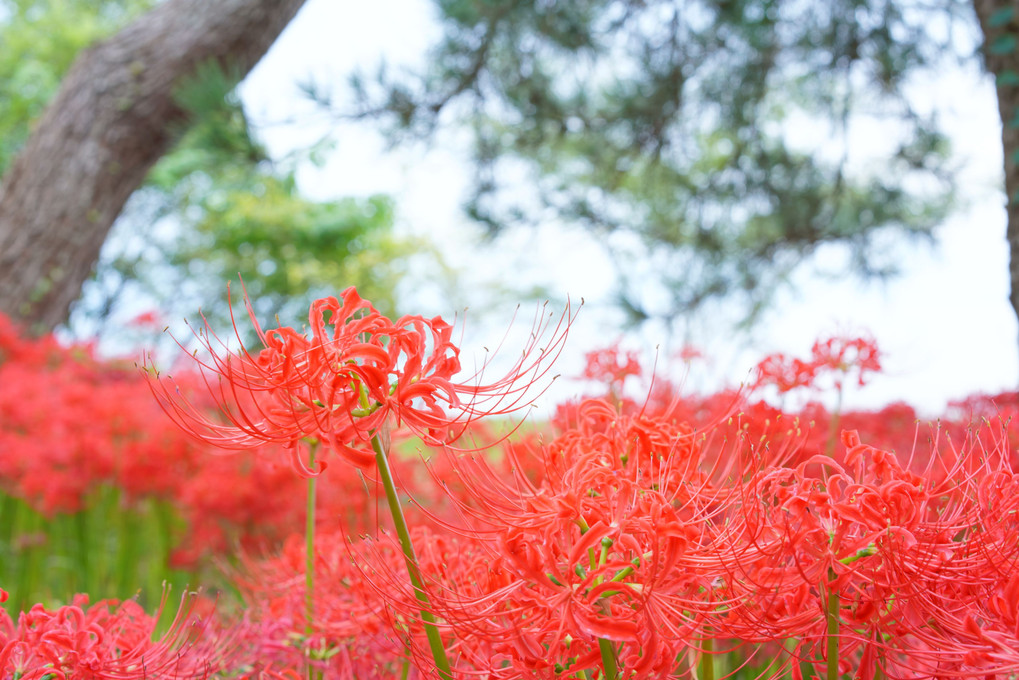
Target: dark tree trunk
112	119
999	22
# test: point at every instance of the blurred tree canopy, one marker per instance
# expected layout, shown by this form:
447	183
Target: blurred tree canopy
711	145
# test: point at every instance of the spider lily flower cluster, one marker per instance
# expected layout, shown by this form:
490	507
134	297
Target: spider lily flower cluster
673	547
672	537
109	639
357	374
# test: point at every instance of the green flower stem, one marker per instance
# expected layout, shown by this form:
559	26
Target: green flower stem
9	511
309	556
707	669
163	532
127	552
410	557
832	614
610	667
81	546
610	670
28	559
789	646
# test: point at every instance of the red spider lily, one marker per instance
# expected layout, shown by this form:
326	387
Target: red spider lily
108	640
836	355
358	372
73	428
689	353
611	366
149	319
903	554
352	635
627	535
784	373
615	542
657	526
841	355
72	423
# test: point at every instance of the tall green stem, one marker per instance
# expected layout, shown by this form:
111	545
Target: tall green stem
127	557
609	657
610	669
832	652
707	670
410	557
789	645
309	557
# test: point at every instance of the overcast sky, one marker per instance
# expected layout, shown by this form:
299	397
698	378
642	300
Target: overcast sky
945	325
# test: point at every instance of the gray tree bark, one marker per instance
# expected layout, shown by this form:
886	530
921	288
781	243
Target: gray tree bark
112	119
999	22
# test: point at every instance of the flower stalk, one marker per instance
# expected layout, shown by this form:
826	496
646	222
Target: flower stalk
832	615
610	669
707	664
410	557
309	551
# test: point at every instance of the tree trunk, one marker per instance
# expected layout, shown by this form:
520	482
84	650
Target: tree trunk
112	119
999	22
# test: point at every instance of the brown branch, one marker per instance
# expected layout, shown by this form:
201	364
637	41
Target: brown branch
113	118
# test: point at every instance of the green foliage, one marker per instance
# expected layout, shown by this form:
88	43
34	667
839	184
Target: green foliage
101	549
1001	17
215	207
39	40
226	210
674	126
1003	44
289	249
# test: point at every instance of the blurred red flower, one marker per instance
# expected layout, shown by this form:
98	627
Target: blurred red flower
837	356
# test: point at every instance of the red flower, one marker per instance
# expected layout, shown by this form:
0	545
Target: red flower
615	542
784	373
357	373
108	640
835	355
842	355
612	365
351	634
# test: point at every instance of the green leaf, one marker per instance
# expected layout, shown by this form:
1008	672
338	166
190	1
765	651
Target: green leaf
1007	78
1003	44
1000	17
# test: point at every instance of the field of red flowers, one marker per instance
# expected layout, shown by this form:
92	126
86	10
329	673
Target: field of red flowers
343	501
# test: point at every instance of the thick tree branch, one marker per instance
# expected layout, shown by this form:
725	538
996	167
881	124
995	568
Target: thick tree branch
113	118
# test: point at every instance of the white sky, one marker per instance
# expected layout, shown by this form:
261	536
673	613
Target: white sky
945	325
